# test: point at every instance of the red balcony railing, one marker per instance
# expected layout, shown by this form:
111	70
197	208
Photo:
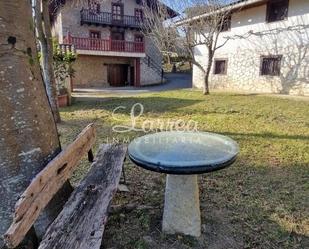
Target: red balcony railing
105	45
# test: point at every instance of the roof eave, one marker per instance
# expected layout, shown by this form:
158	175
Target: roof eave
238	5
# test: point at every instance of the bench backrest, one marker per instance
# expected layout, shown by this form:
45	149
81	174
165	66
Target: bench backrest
46	184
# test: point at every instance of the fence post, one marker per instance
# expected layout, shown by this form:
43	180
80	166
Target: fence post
69	38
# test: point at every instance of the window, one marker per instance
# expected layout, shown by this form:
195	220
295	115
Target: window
94	34
139	13
225	25
138	45
277	10
270	65
98	8
117	11
94	6
139	38
94	41
220	66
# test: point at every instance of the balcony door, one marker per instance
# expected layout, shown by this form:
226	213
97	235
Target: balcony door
118	43
117	12
117	36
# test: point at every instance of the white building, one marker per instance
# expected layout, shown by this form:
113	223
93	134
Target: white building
267	51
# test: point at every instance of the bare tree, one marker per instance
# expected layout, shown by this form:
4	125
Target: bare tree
199	23
44	37
28	134
43	28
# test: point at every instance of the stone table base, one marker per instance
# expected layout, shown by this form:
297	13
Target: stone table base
182	206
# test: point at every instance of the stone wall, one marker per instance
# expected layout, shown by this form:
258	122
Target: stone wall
150	76
68	20
152	51
71	23
243	72
250	38
91	71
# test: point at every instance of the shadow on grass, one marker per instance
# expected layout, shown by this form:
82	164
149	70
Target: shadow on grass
246	94
151	104
241	207
266	201
268	135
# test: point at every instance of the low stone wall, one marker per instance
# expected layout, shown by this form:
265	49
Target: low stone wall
149	76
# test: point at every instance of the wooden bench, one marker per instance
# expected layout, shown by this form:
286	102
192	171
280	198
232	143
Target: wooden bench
80	225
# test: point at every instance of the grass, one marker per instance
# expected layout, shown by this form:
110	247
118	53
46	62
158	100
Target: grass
259	202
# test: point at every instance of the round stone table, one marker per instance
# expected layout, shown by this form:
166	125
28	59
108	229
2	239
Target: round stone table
182	155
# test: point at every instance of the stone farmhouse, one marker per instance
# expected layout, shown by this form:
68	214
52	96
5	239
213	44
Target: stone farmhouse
106	36
267	49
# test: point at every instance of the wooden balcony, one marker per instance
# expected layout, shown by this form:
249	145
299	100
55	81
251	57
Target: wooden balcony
109	19
105	45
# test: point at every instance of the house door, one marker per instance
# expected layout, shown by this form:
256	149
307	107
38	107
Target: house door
117	75
132	76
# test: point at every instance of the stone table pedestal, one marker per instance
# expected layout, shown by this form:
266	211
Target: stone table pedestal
182	206
183	155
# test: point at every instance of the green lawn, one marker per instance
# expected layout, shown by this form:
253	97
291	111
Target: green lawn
259	202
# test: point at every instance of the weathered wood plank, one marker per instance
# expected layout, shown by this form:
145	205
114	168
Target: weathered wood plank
81	223
46	184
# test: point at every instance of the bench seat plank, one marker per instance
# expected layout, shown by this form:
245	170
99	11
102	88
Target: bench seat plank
81	223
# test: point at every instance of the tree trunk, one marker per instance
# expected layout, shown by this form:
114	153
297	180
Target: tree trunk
45	41
168	58
207	73
28	134
190	64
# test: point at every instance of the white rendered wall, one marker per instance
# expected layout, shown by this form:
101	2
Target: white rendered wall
252	37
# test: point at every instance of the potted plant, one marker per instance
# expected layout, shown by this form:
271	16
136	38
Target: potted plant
63	97
61	75
63	70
